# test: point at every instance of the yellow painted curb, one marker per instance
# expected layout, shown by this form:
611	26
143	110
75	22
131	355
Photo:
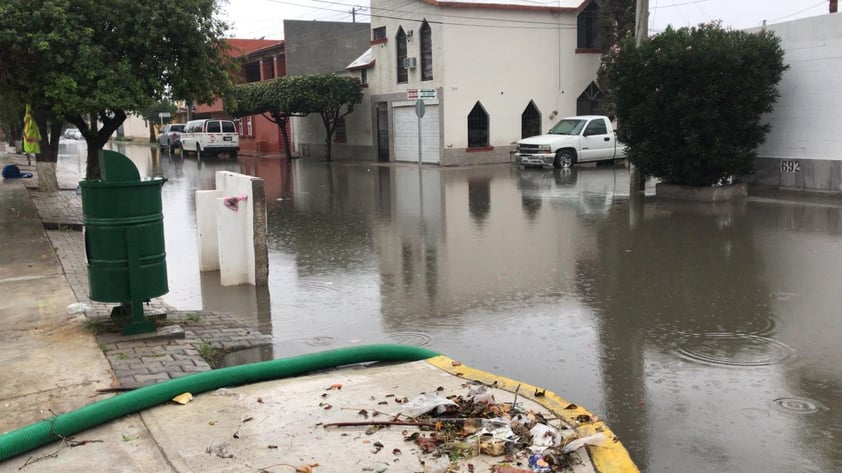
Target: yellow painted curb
611	457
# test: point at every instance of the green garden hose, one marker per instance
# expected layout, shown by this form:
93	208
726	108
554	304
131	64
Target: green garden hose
68	424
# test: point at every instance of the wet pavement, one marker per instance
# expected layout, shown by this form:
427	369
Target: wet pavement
706	335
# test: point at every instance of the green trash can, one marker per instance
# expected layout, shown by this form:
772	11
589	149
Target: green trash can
124	239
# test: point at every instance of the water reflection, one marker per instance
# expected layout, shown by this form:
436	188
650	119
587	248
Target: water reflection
705	335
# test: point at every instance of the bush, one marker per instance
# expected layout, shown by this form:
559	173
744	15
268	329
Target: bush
690	102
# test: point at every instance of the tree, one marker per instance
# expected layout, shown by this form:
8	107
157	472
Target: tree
691	101
332	97
152	115
90	62
271	98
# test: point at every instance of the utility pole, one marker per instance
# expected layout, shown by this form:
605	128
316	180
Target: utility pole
353	14
637	179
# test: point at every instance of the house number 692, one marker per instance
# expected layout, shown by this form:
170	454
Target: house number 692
790	166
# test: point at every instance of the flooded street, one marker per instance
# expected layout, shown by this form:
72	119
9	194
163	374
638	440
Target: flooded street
707	336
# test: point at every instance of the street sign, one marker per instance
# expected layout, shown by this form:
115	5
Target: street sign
164	115
419	108
426	94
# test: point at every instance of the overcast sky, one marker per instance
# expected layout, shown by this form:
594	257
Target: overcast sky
264	18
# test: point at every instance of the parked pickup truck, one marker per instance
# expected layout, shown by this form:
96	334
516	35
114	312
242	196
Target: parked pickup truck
170	136
586	138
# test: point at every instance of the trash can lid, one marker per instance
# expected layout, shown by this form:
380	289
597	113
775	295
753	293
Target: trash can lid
116	167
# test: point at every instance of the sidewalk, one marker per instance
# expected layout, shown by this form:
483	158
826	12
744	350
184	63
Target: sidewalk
51	361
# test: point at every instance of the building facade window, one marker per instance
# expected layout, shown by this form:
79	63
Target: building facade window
530	121
590	101
478	127
588	28
378	33
252	72
426	52
244	126
363	77
400	40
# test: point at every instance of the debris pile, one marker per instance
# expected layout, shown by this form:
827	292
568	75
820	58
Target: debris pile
447	432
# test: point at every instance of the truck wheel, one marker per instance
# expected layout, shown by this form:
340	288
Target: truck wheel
564	158
198	152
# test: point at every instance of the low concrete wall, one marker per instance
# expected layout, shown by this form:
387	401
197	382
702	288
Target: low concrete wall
462	157
231	221
702	194
814	175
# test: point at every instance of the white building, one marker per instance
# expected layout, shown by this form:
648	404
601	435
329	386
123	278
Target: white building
491	73
804	149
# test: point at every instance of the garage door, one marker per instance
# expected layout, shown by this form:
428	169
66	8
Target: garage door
406	134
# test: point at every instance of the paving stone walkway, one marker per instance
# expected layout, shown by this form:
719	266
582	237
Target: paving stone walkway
185	339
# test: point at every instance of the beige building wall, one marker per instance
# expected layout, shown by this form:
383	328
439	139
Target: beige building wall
502	57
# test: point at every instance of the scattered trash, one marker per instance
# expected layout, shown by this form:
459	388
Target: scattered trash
183	399
437	465
543	437
595	439
298	469
538	464
77	308
221	450
426	403
446	430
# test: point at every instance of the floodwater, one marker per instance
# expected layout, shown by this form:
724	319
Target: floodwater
707	336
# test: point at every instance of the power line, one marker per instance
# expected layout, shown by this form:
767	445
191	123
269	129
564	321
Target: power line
405	17
799	11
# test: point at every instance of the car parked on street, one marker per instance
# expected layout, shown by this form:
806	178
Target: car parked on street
72	134
169	139
210	137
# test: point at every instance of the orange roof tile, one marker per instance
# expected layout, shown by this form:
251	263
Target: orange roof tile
242	47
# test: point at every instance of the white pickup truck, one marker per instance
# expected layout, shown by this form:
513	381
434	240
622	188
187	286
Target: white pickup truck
586	138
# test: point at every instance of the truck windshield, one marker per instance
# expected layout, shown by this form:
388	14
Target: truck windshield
567	127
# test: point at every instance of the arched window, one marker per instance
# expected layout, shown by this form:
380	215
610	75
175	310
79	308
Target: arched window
478	127
426	52
400	40
590	102
588	28
530	121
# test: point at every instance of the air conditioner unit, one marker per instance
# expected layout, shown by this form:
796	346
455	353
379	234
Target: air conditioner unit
409	63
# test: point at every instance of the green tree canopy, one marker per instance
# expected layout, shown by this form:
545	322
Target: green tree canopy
270	98
690	102
331	96
88	60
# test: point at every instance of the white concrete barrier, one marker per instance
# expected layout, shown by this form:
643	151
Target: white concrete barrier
231	223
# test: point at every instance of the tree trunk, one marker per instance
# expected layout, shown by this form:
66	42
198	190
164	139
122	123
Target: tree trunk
281	120
97	138
329	132
45	161
153	137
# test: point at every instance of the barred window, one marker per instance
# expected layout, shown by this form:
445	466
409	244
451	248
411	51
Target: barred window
403	76
588	28
590	101
378	33
426	52
530	121
478	127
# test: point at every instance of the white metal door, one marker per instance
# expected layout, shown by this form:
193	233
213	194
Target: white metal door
405	131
